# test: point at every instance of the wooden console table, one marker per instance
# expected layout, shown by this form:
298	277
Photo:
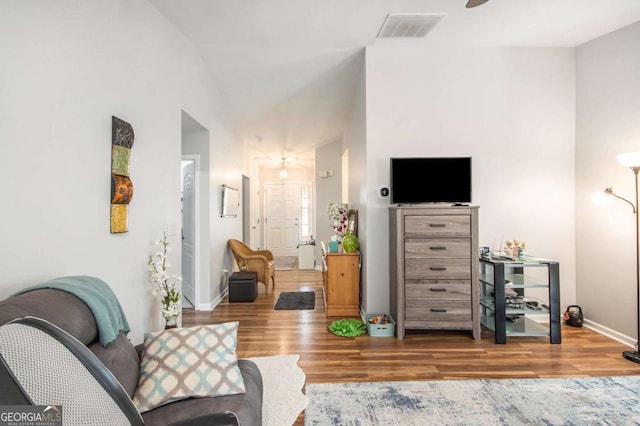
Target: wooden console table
341	281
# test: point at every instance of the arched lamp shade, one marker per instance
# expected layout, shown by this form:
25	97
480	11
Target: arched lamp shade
474	3
629	159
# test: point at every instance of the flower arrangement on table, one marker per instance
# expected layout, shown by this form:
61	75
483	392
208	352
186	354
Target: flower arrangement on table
164	283
515	248
339	213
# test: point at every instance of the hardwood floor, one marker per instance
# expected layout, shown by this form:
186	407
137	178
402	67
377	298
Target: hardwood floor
325	357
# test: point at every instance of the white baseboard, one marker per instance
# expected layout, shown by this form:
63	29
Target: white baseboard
619	337
599	328
215	302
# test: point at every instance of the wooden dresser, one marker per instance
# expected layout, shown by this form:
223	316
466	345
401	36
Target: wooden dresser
341	280
434	268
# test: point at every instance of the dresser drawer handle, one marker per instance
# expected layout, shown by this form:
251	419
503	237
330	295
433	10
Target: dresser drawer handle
440	289
438	310
437	248
437	225
438	268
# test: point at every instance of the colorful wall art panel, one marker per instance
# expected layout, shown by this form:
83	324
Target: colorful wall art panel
121	185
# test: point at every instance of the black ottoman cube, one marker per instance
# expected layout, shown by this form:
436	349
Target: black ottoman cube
243	286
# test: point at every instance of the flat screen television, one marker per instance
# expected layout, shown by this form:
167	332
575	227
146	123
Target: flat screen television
430	180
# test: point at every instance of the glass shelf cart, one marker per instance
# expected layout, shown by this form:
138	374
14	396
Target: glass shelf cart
506	305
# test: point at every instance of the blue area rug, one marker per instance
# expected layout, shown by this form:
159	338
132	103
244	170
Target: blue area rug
579	401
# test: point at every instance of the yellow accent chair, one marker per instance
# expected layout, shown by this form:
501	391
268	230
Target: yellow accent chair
259	261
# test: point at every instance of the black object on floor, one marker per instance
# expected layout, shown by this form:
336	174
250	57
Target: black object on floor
296	300
243	287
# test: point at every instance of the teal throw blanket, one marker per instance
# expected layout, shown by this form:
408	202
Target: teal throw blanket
100	299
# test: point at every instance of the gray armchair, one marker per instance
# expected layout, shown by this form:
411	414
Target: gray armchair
65	322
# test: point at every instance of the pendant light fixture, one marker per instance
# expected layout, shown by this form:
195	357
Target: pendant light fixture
284	173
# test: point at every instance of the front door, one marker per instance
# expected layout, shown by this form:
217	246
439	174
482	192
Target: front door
282	208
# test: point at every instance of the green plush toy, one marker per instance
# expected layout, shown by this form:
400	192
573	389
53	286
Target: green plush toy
347	327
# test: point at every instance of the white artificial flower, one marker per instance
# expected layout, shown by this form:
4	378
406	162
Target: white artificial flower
162	282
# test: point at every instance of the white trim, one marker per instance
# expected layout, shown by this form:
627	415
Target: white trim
598	328
196	256
617	336
215	302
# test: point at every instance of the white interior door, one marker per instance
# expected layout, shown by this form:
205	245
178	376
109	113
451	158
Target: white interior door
282	208
188	231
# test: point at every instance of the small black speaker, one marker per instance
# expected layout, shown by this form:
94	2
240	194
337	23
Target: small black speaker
384	192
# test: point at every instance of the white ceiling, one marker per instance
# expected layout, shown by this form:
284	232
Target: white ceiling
287	69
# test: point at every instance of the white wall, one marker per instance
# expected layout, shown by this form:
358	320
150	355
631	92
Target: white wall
608	123
67	67
226	165
511	109
355	140
328	190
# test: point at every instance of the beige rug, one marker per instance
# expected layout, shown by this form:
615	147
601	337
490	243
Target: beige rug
283	380
285	263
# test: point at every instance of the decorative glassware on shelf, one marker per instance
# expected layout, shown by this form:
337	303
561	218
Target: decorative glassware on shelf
334	245
515	249
164	284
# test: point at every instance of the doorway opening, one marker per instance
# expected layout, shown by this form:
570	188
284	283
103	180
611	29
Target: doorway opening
196	264
189	195
287	216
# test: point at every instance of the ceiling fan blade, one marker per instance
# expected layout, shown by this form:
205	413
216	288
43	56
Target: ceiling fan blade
474	3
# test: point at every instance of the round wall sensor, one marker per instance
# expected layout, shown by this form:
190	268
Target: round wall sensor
383	192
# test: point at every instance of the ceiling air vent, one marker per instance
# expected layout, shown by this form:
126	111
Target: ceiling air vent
409	24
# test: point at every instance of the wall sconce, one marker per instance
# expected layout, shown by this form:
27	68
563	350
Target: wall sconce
632	160
284	173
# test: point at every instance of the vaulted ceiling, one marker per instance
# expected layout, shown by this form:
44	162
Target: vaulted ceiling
287	69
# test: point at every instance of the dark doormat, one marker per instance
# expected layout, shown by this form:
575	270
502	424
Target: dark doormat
296	300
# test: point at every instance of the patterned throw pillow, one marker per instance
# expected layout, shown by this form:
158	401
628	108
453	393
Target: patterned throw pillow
188	362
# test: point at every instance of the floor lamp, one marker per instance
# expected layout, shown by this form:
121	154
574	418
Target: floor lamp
632	160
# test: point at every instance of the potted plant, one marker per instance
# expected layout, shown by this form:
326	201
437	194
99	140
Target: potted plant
164	284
